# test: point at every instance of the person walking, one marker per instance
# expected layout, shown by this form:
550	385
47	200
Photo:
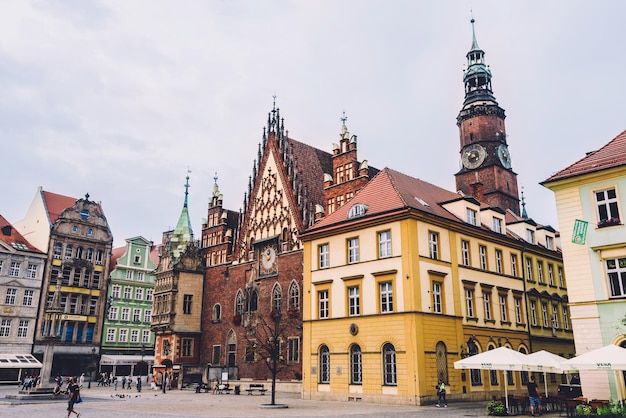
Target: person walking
123	382
139	384
533	396
74	391
81	380
441	394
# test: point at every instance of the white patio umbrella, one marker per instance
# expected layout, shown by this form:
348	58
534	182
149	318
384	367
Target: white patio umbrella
610	357
501	358
544	361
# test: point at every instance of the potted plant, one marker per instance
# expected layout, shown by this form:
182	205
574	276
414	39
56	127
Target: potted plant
496	407
608	222
583	410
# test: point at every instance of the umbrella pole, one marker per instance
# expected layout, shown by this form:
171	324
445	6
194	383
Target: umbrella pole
545	382
506	390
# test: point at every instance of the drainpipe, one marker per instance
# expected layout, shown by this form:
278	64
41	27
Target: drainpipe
526	301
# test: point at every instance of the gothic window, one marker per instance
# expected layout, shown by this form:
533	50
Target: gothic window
239	303
217	312
441	361
253	303
390	377
356	365
324	376
294	296
277	298
231	345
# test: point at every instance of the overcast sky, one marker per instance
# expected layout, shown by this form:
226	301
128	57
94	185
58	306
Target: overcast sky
117	98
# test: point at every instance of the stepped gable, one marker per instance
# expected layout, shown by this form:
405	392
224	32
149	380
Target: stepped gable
611	155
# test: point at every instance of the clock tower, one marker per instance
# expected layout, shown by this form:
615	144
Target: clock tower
485	171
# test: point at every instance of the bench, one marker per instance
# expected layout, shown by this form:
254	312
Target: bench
256	387
222	388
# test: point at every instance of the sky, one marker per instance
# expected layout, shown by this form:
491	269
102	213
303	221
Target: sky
120	99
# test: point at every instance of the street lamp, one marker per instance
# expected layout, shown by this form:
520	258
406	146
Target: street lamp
93	366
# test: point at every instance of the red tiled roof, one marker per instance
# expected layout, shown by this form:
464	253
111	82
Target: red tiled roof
56	203
154	254
116	253
10	235
312	164
611	155
391	191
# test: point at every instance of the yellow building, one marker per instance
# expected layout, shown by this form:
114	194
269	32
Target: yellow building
407	278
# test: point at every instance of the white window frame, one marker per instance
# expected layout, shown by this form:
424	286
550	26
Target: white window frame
384	244
323	256
31	271
487	303
145	336
322	296
29	296
11	296
607	204
386	297
110	335
499	261
518	310
22	328
471	216
482	251
469	302
113	312
125	316
433	245
437	301
465	253
503	307
354	301
533	313
353	250
123	335
14	269
616	277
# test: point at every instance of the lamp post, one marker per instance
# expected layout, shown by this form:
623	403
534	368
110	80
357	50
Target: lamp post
93	366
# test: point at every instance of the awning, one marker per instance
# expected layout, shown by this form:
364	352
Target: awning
19	361
124	359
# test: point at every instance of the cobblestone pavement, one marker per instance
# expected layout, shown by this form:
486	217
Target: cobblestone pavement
106	403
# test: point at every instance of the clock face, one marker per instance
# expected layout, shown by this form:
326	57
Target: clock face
503	154
268	259
473	156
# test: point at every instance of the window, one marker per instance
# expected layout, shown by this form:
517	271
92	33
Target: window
136	315
134	336
471	216
322	297
128	292
138	293
356	365
323	256
125	314
354	308
437	306
518	310
497	225
22	328
99	255
389	365
482	252
10	297
129	275
353	250
31	271
145	336
149	294
530	236
68	251
28	297
217	354
465	252
514	265
357	210
565	318
239	304
533	312
277	298
294	296
616	271
607	207
469	302
555	317
58	250
544	314
253	302
113	313
140	276
487	301
384	244
14	269
293	350
73	303
550	274
5	328
529	269
561	277
187	347
324	364
549	243
493	374
115	292
433	245
137	259
503	308
123	335
187	299
386	297
499	261
111	335
147	315
540	272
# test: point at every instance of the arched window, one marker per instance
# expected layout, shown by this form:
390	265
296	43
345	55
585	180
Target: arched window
99	255
231	349
294	296
89	254
253	303
324	364
390	377
493	374
277	298
356	365
239	303
58	249
523	374
217	313
68	251
79	252
475	374
442	361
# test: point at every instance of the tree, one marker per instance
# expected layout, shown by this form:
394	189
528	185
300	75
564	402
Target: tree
264	336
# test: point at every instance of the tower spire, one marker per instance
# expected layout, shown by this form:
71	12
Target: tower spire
477	77
182	234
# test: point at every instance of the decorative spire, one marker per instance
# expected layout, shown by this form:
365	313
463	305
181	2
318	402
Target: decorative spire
344	129
477	76
524	214
216	189
183	233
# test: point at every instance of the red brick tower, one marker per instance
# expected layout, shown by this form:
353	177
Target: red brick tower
486	171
